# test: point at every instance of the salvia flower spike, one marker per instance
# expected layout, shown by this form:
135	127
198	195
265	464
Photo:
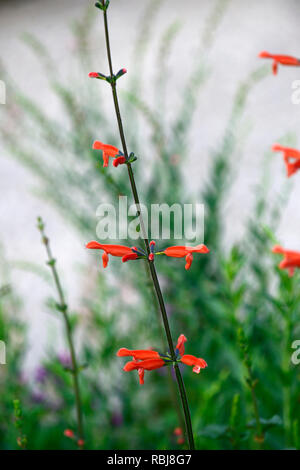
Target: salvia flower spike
291	259
291	158
152	270
279	59
148	359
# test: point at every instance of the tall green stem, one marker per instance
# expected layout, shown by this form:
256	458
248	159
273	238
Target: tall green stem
63	308
251	382
153	273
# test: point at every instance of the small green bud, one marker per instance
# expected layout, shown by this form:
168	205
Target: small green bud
61	308
40	224
102	6
51	262
120	73
131	158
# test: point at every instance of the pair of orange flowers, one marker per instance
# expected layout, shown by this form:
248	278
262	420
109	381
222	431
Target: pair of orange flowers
134	253
147	359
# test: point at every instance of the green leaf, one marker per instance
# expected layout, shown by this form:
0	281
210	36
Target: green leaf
214	431
267	423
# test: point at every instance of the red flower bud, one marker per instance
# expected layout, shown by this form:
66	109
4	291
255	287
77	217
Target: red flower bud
120	73
69	433
178	431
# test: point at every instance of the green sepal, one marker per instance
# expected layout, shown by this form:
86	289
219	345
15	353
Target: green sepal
120	73
110	80
102	76
132	158
101	6
61	308
106	78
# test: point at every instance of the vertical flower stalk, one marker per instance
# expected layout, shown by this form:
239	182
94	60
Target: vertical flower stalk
63	308
112	80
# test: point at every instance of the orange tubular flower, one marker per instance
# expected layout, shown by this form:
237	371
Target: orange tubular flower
279	59
188	359
147	359
114	250
291	158
185	251
138	353
149	363
197	362
109	151
291	259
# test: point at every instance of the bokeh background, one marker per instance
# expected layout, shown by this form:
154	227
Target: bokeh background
201	111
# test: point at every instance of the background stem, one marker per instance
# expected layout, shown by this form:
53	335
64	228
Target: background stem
63	308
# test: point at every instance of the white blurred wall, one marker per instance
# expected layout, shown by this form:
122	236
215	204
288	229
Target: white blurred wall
246	29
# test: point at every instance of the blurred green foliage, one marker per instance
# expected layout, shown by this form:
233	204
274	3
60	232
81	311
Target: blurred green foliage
237	286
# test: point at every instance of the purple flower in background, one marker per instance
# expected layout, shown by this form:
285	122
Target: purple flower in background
38	397
117	419
65	359
41	374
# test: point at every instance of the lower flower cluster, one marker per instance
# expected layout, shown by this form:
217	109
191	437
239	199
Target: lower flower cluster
148	359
